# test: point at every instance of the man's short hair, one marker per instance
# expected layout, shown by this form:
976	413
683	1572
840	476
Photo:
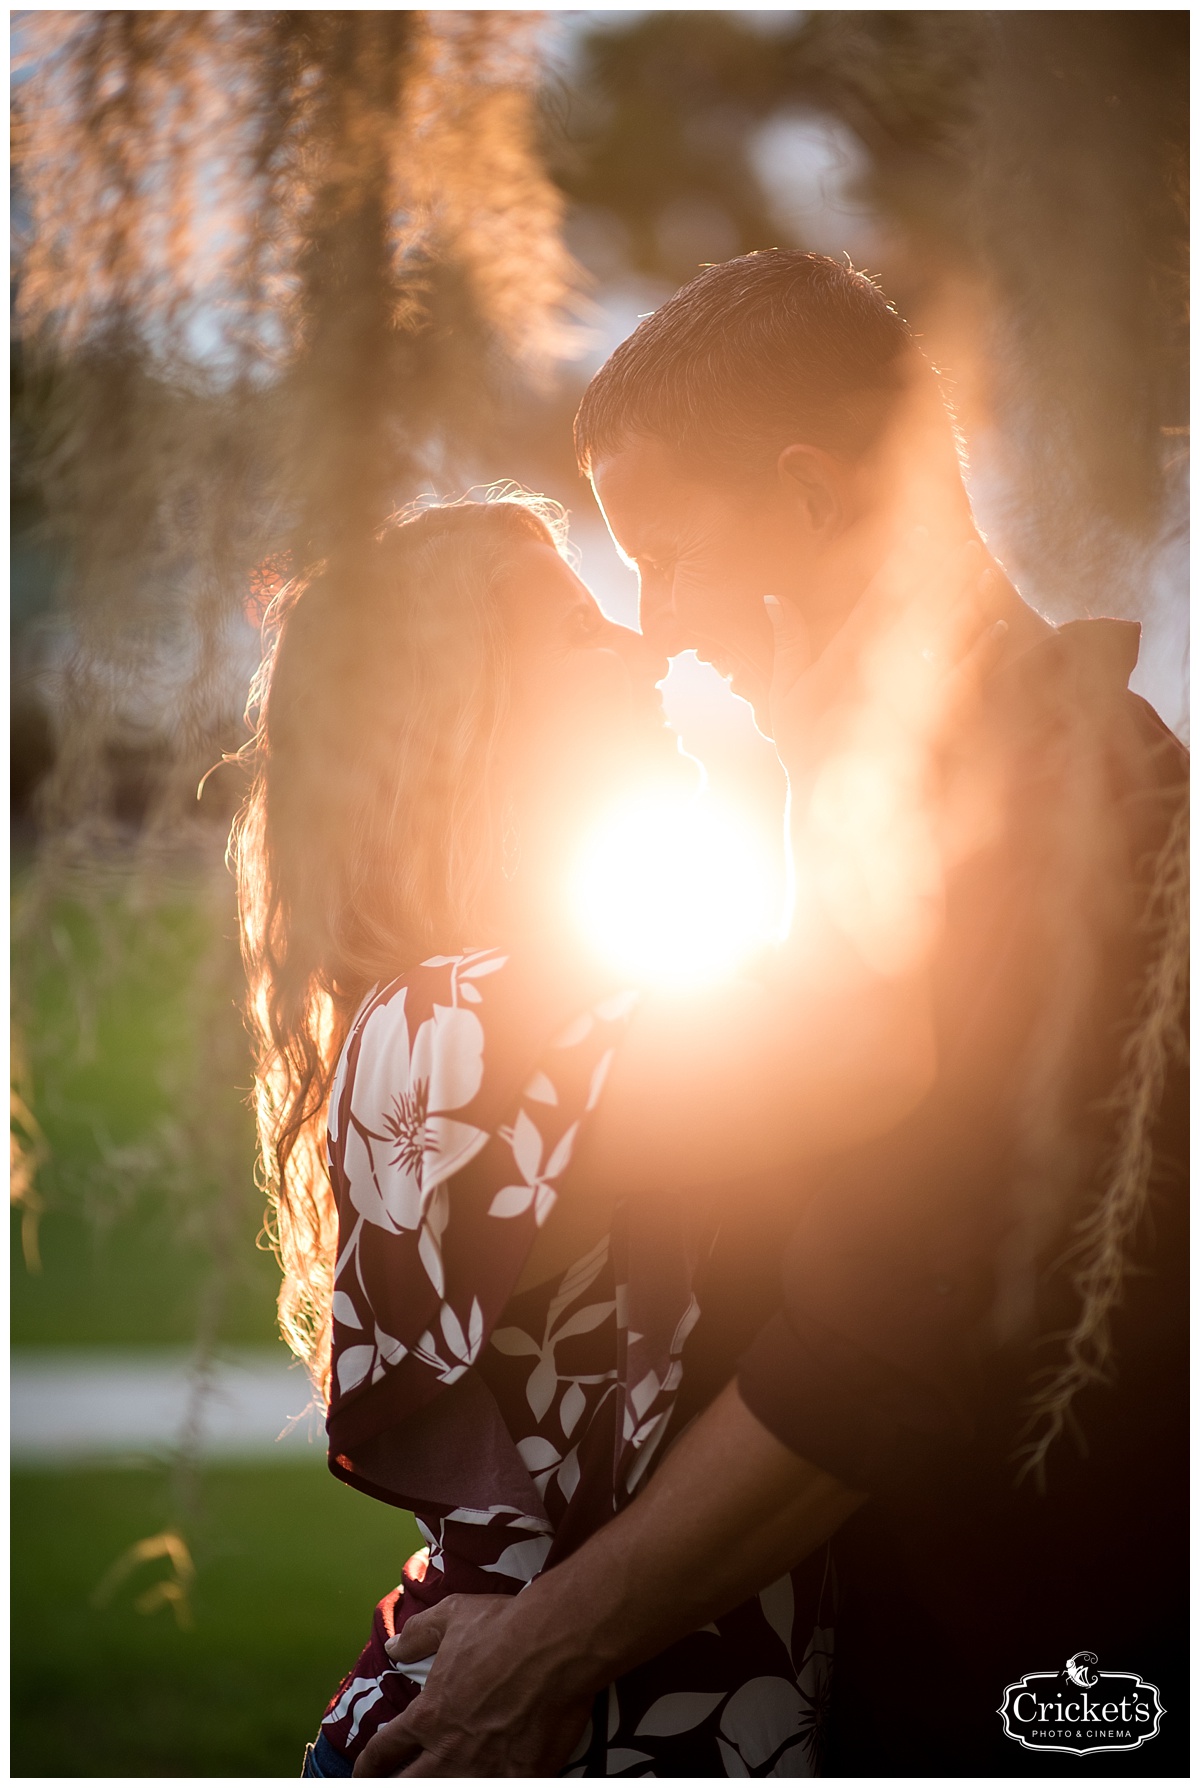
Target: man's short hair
749	357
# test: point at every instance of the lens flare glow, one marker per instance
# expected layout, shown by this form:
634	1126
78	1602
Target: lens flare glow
675	891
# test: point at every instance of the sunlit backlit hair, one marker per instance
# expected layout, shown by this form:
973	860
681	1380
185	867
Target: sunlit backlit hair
372	834
750	356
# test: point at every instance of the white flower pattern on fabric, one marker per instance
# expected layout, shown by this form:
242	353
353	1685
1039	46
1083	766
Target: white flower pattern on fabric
397	1143
402	1141
562	1324
537	1190
356	1700
463	1349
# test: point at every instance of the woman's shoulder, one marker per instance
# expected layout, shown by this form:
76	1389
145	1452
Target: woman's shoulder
468	1021
442	1055
418	1037
448	981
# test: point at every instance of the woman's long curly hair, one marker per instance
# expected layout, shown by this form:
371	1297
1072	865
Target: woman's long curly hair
372	834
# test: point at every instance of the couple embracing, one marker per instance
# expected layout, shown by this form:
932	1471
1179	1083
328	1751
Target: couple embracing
778	1369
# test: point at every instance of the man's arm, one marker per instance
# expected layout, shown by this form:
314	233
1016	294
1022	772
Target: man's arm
728	1511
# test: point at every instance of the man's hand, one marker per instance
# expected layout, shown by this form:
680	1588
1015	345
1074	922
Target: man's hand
728	1511
491	1704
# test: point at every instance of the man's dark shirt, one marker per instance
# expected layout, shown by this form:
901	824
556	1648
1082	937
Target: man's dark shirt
901	1356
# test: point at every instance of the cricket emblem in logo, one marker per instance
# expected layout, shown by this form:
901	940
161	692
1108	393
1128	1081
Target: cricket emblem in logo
1076	1670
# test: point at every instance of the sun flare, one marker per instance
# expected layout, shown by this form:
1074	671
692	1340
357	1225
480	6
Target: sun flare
674	891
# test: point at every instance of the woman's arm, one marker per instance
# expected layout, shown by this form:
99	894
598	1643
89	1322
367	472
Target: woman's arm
729	1510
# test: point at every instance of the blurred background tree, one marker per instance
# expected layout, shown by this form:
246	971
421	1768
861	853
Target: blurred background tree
277	273
271	268
1018	181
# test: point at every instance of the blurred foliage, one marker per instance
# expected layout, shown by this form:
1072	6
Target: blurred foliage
1037	165
170	1591
1029	172
655	129
268	265
288	1566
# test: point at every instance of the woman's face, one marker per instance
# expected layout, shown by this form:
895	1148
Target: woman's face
585	717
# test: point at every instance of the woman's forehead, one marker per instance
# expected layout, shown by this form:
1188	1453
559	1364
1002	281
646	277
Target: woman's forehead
537	581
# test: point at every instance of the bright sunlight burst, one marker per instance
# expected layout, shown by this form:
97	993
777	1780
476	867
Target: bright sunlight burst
675	890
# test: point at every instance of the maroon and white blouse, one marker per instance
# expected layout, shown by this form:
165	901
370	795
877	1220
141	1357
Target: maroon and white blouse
515	1425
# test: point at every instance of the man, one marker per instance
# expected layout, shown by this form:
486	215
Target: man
1002	1271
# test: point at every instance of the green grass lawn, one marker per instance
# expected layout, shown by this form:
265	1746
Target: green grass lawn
134	1279
289	1564
116	1021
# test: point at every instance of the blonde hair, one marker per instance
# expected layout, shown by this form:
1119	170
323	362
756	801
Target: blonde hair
372	833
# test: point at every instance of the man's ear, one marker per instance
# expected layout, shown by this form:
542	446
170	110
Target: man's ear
815	481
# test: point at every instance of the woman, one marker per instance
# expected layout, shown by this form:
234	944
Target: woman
495	1279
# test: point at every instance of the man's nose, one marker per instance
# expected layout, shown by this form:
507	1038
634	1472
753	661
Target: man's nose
658	620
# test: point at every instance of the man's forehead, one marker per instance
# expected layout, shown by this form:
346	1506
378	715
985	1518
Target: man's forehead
627	467
645	490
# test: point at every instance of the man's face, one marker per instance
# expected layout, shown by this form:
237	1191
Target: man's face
706	554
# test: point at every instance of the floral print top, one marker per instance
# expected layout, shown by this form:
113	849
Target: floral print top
515	1424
